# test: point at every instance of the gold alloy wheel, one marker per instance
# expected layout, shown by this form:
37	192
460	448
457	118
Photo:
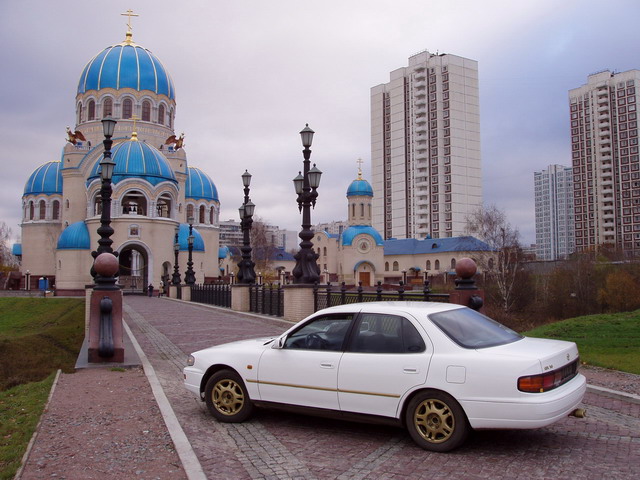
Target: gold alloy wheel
227	397
434	420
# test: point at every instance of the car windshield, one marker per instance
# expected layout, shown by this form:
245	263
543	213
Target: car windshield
471	329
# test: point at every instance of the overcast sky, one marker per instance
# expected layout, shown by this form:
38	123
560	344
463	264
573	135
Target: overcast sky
249	75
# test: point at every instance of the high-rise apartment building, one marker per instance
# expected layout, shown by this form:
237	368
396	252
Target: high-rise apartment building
554	212
425	147
604	150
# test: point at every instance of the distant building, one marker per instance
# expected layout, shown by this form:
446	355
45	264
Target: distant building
334	228
554	213
606	165
230	233
425	147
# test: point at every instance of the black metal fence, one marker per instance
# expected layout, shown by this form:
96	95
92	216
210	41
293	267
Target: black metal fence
267	299
329	296
212	294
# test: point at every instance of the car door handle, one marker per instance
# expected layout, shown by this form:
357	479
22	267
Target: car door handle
326	365
409	370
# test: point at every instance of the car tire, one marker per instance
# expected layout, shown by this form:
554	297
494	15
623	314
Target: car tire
436	421
227	398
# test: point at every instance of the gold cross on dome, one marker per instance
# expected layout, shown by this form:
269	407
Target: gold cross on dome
359	162
129	13
134	132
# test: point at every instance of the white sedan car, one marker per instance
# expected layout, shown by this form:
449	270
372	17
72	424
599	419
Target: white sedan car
436	368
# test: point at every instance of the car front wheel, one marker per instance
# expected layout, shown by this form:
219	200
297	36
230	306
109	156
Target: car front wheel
227	398
436	421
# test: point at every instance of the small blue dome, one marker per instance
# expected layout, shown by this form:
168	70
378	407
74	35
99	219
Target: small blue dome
223	252
183	235
352	232
126	65
139	160
46	179
200	186
359	187
74	237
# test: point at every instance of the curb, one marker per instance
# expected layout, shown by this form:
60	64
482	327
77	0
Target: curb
185	452
27	452
607	392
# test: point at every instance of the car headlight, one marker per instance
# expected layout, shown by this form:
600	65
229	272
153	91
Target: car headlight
191	360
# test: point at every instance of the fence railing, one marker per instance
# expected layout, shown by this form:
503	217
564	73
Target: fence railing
267	299
330	296
212	294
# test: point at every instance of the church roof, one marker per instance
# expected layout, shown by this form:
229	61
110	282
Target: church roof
74	237
126	65
350	233
183	235
46	179
360	187
200	186
412	246
136	159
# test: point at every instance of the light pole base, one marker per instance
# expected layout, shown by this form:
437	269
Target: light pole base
93	335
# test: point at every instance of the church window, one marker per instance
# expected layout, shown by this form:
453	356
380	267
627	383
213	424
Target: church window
127	108
161	114
428	266
67	203
386	266
437	264
201	216
134	203
31	210
171	118
189	211
91	110
396	267
163	206
97	205
324	251
55	215
80	112
212	216
107	107
353	210
453	264
146	111
43	209
362	209
491	264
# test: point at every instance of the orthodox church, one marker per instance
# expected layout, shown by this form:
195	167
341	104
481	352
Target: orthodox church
156	192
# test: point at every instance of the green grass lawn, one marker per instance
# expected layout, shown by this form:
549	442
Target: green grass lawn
38	336
20	410
607	340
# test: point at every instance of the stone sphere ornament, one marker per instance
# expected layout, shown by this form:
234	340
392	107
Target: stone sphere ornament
466	268
106	265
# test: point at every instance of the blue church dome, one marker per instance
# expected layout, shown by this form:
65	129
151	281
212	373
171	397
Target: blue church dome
126	65
46	179
360	187
139	160
183	235
200	186
74	237
352	232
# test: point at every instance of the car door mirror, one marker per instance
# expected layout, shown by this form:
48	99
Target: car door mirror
279	343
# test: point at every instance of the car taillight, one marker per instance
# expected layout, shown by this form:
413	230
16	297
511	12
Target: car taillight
548	381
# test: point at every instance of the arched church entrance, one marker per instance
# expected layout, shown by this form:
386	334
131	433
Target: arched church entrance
364	272
134	269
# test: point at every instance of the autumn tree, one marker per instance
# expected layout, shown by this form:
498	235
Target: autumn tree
504	262
263	246
7	260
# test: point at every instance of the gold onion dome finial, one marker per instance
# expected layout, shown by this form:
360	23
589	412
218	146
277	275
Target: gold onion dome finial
359	162
129	35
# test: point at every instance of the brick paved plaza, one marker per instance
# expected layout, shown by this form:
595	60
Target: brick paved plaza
275	445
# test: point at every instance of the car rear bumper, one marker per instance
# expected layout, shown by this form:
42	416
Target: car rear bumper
531	410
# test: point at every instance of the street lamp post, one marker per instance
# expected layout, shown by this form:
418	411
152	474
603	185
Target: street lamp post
306	183
105	230
189	275
175	279
246	273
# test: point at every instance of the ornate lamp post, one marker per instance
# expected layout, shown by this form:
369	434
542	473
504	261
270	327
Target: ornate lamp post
175	279
189	275
105	230
306	183
246	274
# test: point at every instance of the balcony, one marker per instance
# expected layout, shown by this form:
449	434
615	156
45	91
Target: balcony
604	108
420	101
420	84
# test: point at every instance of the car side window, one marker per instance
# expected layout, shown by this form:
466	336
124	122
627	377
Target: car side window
326	332
378	333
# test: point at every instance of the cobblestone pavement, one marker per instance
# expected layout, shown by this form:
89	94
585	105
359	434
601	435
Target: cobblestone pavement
275	445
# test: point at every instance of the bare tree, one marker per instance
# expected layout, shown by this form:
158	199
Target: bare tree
262	245
490	225
7	260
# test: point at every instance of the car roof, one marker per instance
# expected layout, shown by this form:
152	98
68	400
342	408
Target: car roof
415	308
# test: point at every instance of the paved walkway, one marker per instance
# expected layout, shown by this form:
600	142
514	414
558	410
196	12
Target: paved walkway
274	445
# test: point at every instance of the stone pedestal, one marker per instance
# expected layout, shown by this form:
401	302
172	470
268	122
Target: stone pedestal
93	339
298	302
240	297
186	293
175	291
